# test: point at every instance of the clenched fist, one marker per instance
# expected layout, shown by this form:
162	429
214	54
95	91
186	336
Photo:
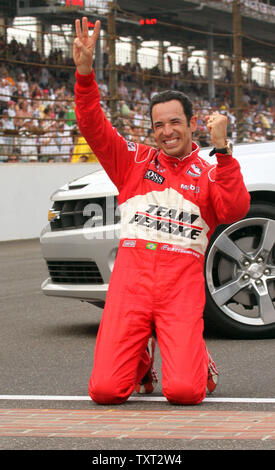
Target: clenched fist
217	127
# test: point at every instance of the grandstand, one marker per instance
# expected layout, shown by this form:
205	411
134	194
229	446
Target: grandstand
221	53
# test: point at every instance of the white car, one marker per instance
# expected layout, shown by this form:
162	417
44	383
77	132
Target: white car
80	244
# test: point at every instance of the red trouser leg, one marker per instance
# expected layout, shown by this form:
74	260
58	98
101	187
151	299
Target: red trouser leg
120	359
184	360
179	328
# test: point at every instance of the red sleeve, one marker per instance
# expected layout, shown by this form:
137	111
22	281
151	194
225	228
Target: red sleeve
111	149
229	196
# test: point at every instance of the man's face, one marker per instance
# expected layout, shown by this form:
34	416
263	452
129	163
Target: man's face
171	130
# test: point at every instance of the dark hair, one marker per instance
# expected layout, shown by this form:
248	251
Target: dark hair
170	95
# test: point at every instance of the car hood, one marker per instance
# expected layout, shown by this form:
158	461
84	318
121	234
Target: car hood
242	152
257	163
95	184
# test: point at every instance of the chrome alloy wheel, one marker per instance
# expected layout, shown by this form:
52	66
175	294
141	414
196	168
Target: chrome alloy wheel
240	271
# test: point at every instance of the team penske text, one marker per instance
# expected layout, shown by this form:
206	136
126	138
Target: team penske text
169	221
158	218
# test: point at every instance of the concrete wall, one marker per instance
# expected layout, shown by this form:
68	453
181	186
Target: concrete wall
25	191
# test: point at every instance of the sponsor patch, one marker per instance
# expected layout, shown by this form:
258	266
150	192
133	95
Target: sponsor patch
154	176
190	187
129	243
151	246
177	222
178	249
131	146
194	170
165	215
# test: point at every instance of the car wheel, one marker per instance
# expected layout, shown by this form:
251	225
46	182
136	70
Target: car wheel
240	276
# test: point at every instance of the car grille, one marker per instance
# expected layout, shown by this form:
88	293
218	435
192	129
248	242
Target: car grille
74	272
78	213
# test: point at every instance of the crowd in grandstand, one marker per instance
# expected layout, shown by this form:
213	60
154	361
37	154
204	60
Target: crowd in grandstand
37	106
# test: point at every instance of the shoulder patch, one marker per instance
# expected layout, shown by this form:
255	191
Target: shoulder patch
131	146
194	170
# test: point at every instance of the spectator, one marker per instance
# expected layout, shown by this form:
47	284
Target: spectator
7	76
154	92
83	159
6	140
145	102
127	131
103	87
47	118
5	94
70	114
64	134
44	77
47	101
82	148
203	140
23	111
138	116
11	109
264	120
27	142
136	95
37	111
123	91
125	110
13	158
259	135
35	91
23	84
170	63
48	144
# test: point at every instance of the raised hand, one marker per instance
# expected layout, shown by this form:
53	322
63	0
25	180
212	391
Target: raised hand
84	46
217	127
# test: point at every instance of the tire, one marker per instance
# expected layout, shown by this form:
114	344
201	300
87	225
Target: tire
240	276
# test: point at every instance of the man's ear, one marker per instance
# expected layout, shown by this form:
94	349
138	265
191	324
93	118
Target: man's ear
193	123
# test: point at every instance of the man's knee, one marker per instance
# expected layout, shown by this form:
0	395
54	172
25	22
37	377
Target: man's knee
184	392
107	392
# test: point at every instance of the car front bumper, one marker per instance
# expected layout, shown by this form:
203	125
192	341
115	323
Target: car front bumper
68	252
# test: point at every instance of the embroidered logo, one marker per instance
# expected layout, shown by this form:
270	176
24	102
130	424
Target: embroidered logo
129	243
191	187
131	146
154	176
151	246
167	220
194	170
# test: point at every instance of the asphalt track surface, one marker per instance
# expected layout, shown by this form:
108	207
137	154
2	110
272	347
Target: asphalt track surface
46	353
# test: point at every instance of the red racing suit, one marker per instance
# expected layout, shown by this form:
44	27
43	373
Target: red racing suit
169	209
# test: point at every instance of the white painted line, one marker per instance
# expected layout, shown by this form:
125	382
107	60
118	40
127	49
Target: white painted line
46	397
133	398
240	400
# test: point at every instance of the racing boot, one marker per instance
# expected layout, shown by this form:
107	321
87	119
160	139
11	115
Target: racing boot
150	379
213	374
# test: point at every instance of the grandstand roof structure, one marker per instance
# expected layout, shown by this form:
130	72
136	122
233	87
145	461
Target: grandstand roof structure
191	22
182	23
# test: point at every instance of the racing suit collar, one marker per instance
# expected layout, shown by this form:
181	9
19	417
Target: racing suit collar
172	160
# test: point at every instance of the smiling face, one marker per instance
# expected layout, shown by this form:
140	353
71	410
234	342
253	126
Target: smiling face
171	130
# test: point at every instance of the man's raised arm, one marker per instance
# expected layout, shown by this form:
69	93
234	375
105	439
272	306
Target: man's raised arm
110	148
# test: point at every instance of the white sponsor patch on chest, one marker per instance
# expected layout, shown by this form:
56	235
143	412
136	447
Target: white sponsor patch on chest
164	217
